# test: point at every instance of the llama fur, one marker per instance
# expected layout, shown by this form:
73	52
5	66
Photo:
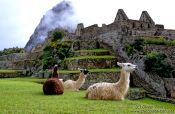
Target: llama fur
112	91
53	85
75	85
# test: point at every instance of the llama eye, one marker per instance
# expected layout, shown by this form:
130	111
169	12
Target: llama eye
129	65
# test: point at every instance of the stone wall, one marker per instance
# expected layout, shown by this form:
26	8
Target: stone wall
85	45
89	33
10	75
170	87
13	57
5	65
6	61
92	78
168	50
89	63
170	34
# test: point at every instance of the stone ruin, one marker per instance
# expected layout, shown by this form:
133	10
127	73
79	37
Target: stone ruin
124	30
113	37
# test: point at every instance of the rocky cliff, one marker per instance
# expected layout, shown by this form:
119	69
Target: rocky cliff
60	16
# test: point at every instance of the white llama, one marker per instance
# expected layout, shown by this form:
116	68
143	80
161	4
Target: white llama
75	85
112	91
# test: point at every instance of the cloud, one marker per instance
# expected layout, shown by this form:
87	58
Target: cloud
60	16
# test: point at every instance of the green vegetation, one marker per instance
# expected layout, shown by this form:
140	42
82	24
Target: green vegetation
7	51
155	62
11	71
18	97
137	45
95	50
91	57
56	50
90	70
158	41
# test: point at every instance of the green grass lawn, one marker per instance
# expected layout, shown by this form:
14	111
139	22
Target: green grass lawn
24	96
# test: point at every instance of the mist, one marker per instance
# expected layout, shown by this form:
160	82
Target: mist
60	16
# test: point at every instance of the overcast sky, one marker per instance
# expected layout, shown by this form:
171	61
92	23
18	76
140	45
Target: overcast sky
19	18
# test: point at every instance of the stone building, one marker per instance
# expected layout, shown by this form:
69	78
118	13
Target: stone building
124	30
145	26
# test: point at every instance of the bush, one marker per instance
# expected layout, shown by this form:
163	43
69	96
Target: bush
56	34
137	45
56	50
157	41
7	51
155	62
171	43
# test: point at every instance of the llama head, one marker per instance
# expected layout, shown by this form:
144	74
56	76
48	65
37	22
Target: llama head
128	67
84	71
55	68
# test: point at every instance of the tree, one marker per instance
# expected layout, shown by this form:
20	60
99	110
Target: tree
56	50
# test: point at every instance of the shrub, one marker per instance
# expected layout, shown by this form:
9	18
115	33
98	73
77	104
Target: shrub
137	45
56	50
56	34
157	41
155	62
7	51
171	43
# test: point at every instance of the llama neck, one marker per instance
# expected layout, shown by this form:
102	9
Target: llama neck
124	81
80	80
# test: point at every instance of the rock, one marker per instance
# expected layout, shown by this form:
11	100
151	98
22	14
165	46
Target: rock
57	17
170	86
136	93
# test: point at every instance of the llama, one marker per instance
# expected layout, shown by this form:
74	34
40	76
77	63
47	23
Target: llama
75	85
53	85
112	91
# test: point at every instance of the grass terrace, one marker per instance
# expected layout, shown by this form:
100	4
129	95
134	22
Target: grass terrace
11	71
24	96
90	70
158	41
91	57
95	50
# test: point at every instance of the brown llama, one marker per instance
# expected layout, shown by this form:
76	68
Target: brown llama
53	86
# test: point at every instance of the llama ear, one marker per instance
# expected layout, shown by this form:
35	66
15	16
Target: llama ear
120	64
80	69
